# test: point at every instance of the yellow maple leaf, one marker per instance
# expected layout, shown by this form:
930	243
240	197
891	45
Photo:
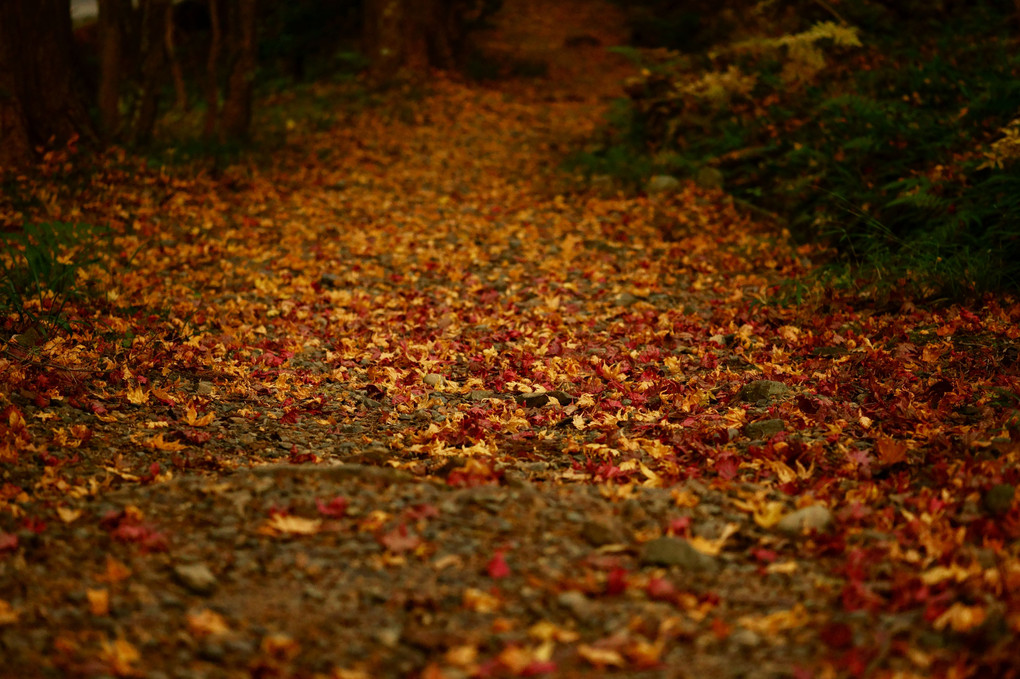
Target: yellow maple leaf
769	514
284	524
479	601
157	442
8	614
99	601
120	655
136	395
600	657
960	618
713	547
205	623
192	419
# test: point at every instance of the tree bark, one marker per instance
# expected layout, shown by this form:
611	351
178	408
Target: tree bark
212	87
408	37
111	55
153	55
383	36
237	104
170	44
41	100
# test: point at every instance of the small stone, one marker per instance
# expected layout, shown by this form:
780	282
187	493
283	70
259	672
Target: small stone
662	183
814	517
205	388
600	533
764	429
576	602
626	299
760	390
745	637
196	577
998	500
667	551
541	398
434	380
480	394
388	636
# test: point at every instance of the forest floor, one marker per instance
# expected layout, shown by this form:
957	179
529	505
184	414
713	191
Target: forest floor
403	401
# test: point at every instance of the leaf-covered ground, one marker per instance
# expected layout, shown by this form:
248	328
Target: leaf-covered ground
402	402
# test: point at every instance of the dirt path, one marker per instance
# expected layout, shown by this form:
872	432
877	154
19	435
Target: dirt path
321	440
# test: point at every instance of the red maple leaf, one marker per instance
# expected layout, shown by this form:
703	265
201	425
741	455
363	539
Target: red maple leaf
8	542
337	507
400	540
497	566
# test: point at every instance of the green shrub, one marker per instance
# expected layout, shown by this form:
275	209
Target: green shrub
877	142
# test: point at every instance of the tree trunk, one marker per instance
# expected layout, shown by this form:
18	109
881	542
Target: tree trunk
170	44
111	54
212	87
383	37
408	37
237	105
153	55
41	100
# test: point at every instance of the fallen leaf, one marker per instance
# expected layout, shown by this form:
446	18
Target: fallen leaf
206	623
99	601
285	524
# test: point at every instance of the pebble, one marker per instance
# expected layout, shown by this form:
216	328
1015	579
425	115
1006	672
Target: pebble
745	637
814	517
667	551
764	429
663	182
600	533
434	380
760	390
576	602
196	577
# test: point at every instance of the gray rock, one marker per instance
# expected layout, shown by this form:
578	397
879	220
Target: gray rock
760	390
576	602
599	533
204	388
539	399
663	182
480	394
745	637
434	380
667	551
196	577
764	429
814	517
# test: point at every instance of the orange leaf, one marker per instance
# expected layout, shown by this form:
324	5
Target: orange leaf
890	452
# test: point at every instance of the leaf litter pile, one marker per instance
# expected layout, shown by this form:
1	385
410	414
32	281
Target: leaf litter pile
400	404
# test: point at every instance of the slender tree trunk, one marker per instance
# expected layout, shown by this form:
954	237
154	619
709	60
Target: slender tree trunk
153	55
170	44
383	37
237	105
42	102
111	55
212	87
